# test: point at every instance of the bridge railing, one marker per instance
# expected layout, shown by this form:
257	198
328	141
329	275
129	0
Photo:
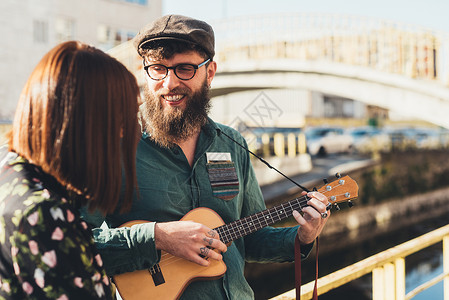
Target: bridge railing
387	269
391	47
277	144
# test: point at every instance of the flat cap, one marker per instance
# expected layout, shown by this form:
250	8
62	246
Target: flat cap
177	27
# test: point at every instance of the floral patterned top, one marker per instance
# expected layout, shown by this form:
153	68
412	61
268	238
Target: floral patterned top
46	250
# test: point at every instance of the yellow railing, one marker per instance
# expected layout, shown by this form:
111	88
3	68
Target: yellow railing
388	271
279	144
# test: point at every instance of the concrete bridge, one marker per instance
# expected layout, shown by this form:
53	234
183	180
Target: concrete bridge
395	66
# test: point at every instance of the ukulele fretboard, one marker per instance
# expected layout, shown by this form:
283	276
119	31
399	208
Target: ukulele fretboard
250	224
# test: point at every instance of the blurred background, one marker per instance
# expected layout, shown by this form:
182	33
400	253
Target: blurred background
315	87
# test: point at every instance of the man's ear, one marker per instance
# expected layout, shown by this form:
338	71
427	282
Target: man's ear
211	69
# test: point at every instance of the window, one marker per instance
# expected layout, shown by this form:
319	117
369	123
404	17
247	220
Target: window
336	107
40	31
109	37
118	37
65	29
130	35
103	34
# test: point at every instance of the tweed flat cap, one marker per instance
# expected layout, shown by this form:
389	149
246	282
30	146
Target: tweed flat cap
177	27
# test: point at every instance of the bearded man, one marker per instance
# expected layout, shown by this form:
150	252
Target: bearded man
186	161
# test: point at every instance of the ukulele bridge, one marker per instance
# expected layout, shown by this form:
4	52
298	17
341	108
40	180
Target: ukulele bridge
156	274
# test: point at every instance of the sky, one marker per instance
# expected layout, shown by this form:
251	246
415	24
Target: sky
431	14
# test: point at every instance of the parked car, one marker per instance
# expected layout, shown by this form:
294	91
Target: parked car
369	139
427	138
327	140
417	138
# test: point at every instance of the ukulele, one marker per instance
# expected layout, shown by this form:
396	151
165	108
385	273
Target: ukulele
169	278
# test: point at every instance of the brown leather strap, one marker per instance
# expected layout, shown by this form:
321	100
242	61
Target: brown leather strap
298	270
315	289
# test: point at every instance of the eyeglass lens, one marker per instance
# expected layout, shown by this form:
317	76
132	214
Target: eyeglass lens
182	71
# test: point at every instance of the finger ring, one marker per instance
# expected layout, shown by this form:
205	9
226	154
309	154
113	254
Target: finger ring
204	251
324	215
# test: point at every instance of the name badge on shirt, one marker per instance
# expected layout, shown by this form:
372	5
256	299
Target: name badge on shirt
218	157
222	175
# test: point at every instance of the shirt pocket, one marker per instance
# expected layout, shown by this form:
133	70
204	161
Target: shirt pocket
223	180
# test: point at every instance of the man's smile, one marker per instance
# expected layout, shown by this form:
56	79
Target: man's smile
173	99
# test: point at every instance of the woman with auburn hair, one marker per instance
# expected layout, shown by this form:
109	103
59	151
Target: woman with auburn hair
74	132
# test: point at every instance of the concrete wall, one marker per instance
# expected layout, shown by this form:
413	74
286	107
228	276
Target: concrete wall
29	28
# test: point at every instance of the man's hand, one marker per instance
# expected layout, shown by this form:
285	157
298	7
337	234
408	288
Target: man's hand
189	240
311	221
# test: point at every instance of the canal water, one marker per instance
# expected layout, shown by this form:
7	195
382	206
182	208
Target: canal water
273	279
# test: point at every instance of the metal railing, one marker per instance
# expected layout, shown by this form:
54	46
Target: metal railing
278	144
386	46
387	269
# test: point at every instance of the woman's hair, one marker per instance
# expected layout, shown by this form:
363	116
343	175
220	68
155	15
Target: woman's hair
77	119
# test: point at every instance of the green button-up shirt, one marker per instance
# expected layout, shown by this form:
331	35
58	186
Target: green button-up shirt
169	188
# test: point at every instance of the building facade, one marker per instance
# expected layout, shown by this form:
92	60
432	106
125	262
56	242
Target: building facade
29	28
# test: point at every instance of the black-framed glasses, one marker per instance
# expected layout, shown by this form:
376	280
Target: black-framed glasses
182	71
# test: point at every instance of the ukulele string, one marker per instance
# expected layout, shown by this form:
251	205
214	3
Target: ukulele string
300	202
295	204
271	211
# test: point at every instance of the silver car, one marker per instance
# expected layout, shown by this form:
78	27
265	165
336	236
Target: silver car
327	140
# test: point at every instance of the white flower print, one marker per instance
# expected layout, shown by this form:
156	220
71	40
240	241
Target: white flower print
33	218
96	277
84	224
49	258
16	268
27	288
57	213
34	247
106	280
70	216
6	287
57	234
78	281
45	194
99	289
99	261
39	277
14	251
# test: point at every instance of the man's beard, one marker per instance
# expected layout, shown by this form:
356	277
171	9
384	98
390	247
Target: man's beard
171	125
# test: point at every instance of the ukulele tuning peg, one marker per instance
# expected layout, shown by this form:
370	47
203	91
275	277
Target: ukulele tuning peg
338	175
336	206
325	181
314	189
350	204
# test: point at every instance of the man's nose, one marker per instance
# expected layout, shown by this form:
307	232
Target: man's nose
171	80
